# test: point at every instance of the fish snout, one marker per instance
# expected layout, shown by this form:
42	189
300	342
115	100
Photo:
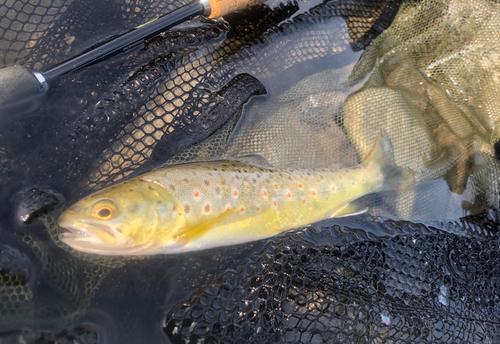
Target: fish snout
66	219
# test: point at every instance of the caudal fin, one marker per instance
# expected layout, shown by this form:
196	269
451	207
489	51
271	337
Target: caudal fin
382	155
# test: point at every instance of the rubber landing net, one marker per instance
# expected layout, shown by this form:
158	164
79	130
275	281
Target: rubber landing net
299	84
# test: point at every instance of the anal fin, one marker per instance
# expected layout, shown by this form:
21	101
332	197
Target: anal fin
350	209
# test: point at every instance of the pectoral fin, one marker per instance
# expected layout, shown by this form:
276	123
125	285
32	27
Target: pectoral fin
190	234
350	209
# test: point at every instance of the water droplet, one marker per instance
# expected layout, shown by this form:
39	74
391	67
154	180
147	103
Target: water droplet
385	318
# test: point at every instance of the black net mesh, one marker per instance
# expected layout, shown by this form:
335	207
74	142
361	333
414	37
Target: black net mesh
339	285
428	74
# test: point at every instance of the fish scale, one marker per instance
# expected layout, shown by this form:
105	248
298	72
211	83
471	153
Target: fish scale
251	190
262	202
201	205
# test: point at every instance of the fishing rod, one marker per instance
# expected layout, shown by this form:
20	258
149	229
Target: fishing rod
22	90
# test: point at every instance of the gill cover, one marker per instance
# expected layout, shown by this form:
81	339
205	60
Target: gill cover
133	217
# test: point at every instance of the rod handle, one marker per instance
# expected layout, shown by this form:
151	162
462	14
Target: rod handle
220	8
21	91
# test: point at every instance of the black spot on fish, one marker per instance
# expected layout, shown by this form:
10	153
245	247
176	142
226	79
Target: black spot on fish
172	187
150	187
267	180
210	174
215	169
206	182
239	171
245	171
254	180
131	190
223	170
185	180
237	177
290	178
258	175
281	174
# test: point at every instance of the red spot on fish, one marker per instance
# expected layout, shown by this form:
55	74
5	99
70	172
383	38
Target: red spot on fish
326	198
288	195
264	193
248	186
333	188
362	180
207	208
340	177
196	194
228	208
241	209
274	203
314	193
258	208
235	193
303	201
353	183
300	185
276	186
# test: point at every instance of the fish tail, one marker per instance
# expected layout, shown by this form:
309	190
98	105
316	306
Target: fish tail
382	156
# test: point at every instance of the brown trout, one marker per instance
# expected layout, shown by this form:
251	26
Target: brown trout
195	206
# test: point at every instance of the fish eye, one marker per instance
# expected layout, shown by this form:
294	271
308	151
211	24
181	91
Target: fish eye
104	210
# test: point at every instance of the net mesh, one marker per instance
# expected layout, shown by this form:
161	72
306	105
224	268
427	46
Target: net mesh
335	286
428	77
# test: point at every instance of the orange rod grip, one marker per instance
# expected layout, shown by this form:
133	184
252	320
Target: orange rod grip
222	7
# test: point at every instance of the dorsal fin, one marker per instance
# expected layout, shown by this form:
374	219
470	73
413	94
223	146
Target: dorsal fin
255	159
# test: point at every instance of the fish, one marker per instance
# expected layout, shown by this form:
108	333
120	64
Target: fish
201	205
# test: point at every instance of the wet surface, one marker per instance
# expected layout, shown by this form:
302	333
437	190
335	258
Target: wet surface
363	279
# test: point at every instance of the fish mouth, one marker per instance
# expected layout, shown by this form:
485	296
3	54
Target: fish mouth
84	230
72	231
70	228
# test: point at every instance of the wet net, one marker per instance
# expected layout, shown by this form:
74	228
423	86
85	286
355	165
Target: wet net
333	74
332	285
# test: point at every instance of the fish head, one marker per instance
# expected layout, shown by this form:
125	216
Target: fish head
131	218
